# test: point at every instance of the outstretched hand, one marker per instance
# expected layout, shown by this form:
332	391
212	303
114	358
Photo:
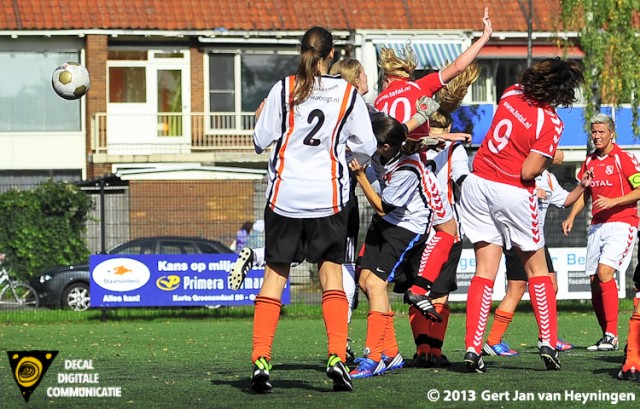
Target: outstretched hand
486	22
455	137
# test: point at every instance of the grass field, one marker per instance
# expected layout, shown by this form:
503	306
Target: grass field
201	360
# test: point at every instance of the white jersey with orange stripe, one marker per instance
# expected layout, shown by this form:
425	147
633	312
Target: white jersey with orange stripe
308	173
556	194
415	194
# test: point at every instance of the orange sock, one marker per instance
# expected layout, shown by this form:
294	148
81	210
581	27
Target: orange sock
390	345
335	311
420	327
438	329
633	339
376	323
501	321
265	321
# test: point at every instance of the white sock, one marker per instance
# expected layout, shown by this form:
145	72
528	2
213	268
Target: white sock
349	284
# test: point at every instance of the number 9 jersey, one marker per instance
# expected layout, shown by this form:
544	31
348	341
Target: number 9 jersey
308	176
518	128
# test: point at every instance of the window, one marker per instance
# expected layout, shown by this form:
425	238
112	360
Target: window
239	81
177	247
127	84
221	83
28	101
259	73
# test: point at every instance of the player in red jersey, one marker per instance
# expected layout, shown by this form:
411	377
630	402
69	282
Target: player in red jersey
400	92
615	191
498	206
398	99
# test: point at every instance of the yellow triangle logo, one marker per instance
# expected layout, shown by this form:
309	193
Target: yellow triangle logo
28	368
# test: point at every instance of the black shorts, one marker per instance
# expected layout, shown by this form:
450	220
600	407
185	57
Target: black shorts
392	253
515	268
446	281
353	228
289	240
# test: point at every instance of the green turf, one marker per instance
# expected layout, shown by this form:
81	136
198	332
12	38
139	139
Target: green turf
192	359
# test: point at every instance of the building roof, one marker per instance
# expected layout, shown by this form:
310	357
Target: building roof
247	15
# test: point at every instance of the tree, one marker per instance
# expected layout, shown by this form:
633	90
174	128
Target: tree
611	43
44	227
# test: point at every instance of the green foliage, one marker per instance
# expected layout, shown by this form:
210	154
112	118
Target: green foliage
611	44
43	227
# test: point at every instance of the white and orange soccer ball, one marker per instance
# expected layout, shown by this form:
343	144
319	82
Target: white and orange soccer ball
71	80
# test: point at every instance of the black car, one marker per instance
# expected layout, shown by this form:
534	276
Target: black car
68	287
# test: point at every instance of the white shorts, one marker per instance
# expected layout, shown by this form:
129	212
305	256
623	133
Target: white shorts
500	214
610	244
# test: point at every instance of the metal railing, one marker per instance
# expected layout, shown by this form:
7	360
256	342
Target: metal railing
124	134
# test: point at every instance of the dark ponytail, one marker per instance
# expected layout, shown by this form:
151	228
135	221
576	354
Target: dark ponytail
316	44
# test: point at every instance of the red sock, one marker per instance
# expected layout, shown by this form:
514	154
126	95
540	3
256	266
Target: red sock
390	345
610	303
420	327
633	339
596	302
543	300
376	323
435	254
501	321
265	321
438	329
478	308
335	311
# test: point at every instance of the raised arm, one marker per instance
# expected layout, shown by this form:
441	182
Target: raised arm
469	55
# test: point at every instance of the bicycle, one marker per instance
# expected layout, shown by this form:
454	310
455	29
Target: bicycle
15	294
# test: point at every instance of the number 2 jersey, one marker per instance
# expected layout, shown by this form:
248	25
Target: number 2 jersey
518	128
308	175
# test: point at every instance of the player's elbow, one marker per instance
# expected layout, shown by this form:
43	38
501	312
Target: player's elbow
527	175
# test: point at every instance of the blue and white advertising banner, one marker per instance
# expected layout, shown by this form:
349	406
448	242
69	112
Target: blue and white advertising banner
173	280
569	263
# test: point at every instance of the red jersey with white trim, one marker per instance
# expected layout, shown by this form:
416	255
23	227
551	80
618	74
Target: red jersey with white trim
611	174
518	128
398	100
307	173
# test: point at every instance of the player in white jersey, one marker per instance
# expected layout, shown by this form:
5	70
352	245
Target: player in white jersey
498	207
409	201
548	192
308	119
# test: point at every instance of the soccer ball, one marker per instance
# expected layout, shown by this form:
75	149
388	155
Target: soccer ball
71	80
